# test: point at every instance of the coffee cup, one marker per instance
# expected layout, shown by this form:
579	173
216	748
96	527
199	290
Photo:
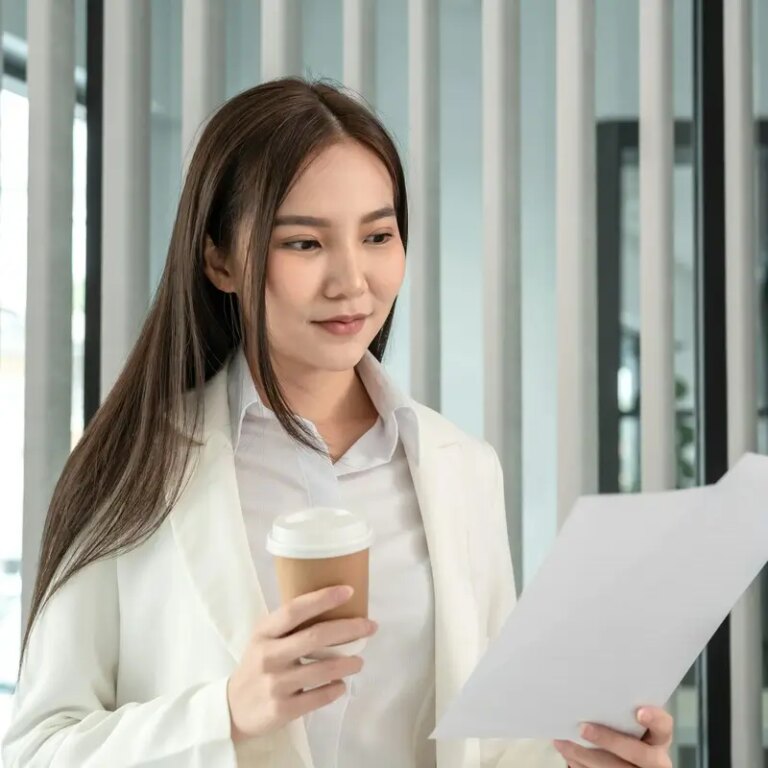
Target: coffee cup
323	547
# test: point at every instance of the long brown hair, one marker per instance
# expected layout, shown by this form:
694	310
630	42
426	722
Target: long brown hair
125	474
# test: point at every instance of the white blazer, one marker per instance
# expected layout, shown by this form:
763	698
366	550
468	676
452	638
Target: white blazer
128	663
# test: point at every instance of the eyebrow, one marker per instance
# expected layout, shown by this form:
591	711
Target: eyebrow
313	221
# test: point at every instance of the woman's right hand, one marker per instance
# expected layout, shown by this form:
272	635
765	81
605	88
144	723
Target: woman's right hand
266	691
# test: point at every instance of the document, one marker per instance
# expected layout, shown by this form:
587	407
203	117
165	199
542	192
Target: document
631	592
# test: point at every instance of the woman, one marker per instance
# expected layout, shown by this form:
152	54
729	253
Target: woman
156	637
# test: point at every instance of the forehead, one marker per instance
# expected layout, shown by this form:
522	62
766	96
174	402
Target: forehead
345	177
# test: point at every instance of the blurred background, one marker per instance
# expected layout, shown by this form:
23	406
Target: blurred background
99	105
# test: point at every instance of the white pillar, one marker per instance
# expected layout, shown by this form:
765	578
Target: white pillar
203	67
280	38
501	249
741	338
424	199
657	361
360	47
125	236
577	450
48	352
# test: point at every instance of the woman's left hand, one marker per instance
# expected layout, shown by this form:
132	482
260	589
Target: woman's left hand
617	750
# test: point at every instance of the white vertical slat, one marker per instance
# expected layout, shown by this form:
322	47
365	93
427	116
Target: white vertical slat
576	254
657	360
203	66
359	42
501	248
280	38
1	59
657	374
125	238
424	199
48	353
741	321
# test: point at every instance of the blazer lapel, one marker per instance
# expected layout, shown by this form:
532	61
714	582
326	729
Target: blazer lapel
209	529
439	477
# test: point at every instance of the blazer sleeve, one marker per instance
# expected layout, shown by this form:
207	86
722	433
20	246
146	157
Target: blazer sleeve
64	711
501	753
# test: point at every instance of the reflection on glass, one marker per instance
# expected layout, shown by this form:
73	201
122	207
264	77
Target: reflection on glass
620	273
761	191
628	379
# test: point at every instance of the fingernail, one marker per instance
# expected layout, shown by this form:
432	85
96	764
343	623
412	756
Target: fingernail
344	593
644	716
372	625
586	731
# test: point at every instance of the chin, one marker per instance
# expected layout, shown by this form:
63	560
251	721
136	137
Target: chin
329	357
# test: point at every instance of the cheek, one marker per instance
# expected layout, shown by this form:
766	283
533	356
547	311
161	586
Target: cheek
290	288
388	277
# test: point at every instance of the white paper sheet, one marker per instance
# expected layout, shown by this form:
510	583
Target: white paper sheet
633	588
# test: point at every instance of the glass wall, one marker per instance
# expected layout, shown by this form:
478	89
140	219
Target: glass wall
538	249
14	111
461	241
13	278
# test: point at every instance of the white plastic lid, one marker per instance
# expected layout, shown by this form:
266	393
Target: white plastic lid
319	532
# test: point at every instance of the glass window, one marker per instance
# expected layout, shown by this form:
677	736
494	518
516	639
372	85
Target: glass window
14	112
461	215
13	281
618	237
538	280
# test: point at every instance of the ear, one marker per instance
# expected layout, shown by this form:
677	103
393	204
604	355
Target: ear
218	267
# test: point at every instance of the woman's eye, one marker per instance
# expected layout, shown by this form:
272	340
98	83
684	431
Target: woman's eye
310	245
386	235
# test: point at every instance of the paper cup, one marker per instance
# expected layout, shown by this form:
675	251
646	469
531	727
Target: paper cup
323	547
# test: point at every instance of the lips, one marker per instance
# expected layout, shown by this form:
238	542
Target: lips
343	325
344	318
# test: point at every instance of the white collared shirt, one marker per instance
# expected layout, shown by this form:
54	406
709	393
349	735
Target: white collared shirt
389	710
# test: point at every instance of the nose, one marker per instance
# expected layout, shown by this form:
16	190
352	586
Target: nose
346	273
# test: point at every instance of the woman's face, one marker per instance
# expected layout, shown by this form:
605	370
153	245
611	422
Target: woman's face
336	261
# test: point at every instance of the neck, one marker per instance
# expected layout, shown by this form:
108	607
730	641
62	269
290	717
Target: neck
325	398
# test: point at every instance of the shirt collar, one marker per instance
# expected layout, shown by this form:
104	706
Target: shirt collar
394	407
242	394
